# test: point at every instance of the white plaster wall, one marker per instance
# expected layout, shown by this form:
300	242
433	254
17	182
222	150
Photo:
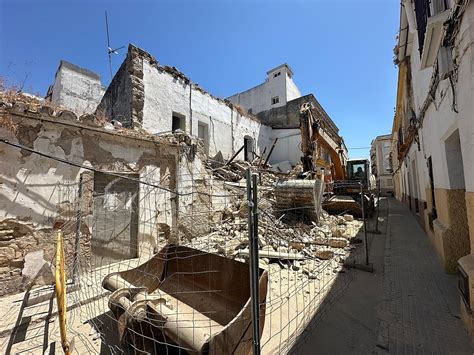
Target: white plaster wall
245	126
164	95
259	98
218	117
76	92
440	119
292	91
155	207
31	186
287	147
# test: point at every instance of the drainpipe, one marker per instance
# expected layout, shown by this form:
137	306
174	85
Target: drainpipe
232	128
190	109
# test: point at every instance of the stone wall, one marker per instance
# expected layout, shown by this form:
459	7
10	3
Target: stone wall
116	103
451	231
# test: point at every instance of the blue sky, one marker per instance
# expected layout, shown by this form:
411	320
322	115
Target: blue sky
340	50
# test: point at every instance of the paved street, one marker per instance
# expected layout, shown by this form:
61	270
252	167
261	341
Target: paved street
408	305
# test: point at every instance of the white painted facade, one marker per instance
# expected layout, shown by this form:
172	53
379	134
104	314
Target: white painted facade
276	91
167	96
440	120
380	160
76	89
288	147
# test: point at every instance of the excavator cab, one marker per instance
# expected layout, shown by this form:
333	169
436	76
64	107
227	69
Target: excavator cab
358	170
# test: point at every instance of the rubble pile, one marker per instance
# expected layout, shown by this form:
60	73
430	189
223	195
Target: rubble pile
235	171
298	247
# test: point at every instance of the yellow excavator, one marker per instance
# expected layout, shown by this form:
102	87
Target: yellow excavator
351	187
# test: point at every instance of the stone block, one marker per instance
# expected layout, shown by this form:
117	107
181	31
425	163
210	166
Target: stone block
324	254
337	242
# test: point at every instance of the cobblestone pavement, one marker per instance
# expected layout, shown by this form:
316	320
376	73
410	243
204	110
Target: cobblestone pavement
419	312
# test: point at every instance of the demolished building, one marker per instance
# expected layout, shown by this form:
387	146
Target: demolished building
151	125
137	176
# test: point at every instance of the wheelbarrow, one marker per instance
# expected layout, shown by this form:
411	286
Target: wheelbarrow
185	300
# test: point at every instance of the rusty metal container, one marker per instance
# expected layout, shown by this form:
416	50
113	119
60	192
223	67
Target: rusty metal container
185	300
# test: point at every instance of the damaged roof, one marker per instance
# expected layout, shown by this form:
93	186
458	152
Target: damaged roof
31	107
176	73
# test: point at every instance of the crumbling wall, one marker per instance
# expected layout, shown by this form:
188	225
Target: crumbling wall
76	89
124	99
38	193
168	93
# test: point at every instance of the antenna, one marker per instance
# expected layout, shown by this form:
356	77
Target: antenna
109	48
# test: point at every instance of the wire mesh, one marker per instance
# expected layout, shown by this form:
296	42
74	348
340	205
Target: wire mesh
163	271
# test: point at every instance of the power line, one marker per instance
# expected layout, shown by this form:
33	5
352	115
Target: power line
81	166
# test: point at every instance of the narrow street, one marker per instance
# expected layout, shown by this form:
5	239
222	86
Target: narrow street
407	305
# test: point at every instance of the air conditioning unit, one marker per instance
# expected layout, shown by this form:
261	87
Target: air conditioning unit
433	36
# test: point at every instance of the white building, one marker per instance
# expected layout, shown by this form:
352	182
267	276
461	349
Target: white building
160	99
277	103
380	163
76	89
433	130
276	91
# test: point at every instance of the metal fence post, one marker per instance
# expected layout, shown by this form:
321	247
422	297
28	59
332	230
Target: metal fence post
376	230
365	225
252	199
377	213
75	270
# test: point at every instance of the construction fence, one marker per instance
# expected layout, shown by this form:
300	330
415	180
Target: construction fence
215	267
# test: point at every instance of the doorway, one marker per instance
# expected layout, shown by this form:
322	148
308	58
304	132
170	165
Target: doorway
248	149
115	219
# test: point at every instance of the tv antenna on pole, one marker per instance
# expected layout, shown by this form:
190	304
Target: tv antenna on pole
110	51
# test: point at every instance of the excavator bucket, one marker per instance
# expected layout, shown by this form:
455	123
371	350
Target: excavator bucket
339	204
186	300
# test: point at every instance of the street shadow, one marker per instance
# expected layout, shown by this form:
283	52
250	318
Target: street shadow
23	322
339	288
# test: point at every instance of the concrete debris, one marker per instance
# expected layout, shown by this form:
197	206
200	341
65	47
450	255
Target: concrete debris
273	255
290	244
283	167
348	217
37	269
324	254
235	171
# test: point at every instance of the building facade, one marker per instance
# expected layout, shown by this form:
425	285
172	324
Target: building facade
277	103
380	163
432	135
147	95
278	89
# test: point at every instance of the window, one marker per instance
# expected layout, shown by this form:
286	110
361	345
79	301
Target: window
422	11
203	133
275	100
248	148
357	171
445	61
438	6
455	162
178	122
276	74
425	9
